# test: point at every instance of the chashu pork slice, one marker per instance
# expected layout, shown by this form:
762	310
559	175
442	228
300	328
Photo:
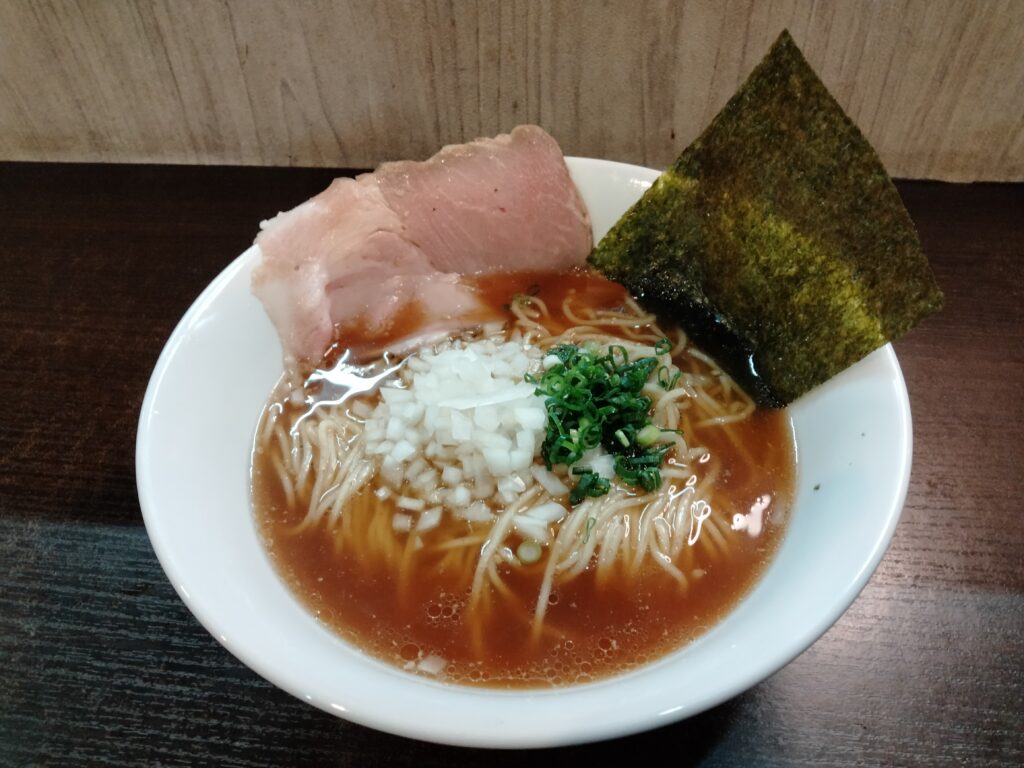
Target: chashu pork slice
398	240
339	257
492	205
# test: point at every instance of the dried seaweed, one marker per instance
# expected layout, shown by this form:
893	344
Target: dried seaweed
777	238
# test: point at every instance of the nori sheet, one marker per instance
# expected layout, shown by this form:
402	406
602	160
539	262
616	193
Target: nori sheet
777	239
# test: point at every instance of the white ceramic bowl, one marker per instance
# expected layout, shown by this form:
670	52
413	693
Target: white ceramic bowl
854	442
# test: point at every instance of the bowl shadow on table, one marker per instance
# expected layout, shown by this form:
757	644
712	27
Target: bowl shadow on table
700	734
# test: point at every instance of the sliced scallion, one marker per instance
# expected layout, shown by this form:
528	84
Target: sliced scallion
593	399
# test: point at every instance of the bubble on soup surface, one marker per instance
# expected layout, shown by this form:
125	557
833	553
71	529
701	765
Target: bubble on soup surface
409	652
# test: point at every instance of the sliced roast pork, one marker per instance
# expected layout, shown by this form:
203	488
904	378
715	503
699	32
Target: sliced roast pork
399	239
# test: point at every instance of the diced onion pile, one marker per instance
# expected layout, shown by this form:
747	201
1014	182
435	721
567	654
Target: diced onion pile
461	434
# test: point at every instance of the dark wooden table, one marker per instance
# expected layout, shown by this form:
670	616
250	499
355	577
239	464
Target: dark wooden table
101	664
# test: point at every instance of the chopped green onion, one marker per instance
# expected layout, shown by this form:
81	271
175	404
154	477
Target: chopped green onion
665	380
529	552
590	484
594	399
648	436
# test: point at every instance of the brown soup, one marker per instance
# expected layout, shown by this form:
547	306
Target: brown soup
597	624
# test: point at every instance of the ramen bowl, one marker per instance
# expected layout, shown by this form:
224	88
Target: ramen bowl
853	441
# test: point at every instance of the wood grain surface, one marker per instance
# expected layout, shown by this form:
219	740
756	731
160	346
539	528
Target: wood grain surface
936	85
101	663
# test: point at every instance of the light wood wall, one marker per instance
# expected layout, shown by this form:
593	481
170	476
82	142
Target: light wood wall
937	85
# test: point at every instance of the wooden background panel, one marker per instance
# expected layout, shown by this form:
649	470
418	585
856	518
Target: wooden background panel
937	86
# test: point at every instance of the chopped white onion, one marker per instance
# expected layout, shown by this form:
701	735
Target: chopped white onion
550	512
476	512
482	401
549	481
413	505
429	519
460	497
597	460
532	528
462	429
432	665
451	475
403	450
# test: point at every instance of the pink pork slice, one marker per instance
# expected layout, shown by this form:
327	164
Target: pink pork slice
368	248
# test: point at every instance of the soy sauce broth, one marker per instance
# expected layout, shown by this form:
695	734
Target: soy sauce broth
594	629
